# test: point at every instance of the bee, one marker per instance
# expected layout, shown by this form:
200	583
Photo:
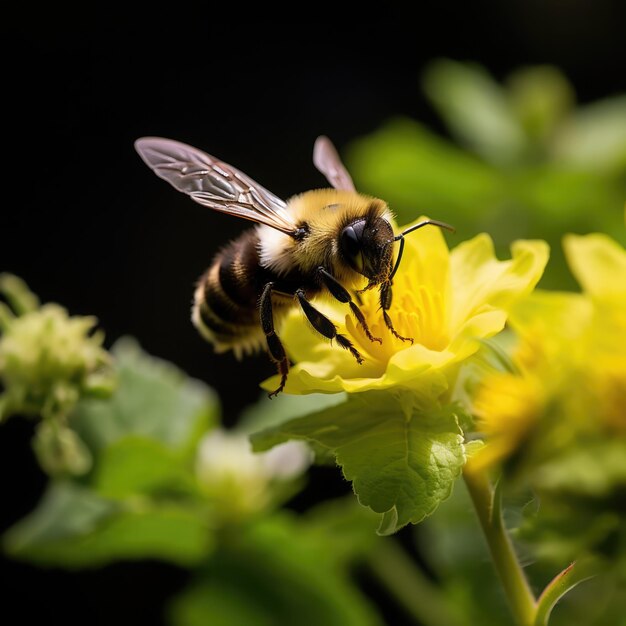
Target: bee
321	242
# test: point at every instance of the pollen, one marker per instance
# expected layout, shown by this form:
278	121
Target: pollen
422	315
418	312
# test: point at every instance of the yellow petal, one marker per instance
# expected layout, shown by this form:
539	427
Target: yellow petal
426	257
480	281
481	326
553	315
417	358
599	264
507	407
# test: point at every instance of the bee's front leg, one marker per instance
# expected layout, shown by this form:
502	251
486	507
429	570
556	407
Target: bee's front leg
385	305
325	327
274	344
339	292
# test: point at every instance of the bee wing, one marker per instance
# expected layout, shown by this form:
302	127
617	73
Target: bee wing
213	183
327	161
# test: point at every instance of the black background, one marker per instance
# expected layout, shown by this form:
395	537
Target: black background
88	225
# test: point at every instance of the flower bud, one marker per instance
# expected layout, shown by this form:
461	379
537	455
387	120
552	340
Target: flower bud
47	358
60	450
241	483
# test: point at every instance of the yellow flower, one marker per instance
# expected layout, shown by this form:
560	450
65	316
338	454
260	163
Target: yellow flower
572	359
507	408
599	264
445	300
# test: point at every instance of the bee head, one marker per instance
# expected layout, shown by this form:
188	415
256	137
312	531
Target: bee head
364	245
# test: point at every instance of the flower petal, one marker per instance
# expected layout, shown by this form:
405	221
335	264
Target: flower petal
480	281
481	326
426	257
555	315
599	264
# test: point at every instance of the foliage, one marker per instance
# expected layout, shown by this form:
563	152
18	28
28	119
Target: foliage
528	163
519	391
167	483
402	460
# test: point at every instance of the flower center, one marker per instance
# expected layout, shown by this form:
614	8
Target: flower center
418	311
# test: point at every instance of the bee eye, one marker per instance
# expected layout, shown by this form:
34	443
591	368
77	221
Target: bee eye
351	240
350	243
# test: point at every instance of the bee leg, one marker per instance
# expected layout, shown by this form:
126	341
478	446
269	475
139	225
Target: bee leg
385	305
339	292
325	327
274	344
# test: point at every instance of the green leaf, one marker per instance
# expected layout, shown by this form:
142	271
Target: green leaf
136	465
541	97
563	583
560	533
271	573
401	463
347	527
595	470
594	138
418	172
477	110
581	490
219	603
73	527
266	412
153	399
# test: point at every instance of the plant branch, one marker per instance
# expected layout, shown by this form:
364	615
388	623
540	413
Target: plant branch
487	505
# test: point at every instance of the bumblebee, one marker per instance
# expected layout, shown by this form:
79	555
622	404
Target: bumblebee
322	241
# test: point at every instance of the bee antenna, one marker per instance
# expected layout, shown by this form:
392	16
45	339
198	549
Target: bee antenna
400	238
424	223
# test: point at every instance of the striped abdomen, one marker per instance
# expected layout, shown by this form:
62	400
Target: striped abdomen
226	300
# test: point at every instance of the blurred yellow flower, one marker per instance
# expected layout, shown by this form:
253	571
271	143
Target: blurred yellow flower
445	300
572	361
599	264
508	407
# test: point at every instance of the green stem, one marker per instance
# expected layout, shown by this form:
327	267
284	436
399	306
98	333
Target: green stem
409	585
487	505
571	576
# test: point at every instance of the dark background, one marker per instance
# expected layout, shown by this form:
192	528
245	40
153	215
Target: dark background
86	224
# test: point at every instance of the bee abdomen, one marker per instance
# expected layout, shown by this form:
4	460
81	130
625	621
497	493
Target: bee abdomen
225	303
